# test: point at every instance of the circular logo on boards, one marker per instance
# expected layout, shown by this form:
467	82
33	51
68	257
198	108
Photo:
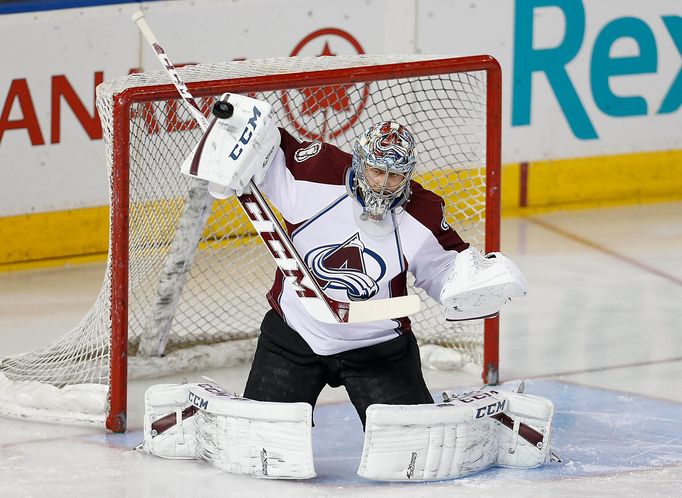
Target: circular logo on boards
325	112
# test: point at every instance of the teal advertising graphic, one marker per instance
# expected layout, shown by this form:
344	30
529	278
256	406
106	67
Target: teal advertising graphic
604	67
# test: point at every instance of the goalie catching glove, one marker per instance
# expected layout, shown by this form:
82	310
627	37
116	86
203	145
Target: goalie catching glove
477	286
238	146
238	435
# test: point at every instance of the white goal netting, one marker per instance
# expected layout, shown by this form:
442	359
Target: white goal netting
196	273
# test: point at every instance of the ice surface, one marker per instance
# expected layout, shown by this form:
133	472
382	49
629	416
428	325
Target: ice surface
599	334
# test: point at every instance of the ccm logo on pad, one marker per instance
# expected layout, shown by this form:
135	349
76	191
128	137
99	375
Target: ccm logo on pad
491	409
198	401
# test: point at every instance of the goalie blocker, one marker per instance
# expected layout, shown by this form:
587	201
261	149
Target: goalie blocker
236	148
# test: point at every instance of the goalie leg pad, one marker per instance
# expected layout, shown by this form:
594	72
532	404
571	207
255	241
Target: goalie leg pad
238	435
429	442
256	438
462	436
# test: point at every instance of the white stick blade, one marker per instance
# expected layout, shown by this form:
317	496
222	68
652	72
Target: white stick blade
365	311
383	309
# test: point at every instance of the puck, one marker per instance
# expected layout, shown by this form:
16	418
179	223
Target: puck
223	109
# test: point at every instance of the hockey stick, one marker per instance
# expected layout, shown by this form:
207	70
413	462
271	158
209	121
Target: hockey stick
319	305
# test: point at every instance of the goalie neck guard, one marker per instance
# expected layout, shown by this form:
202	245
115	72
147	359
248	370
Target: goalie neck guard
383	163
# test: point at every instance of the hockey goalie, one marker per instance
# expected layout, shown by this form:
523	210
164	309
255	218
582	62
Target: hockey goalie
360	223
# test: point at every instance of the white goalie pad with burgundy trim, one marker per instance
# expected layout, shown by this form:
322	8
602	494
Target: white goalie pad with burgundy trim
169	423
464	435
235	434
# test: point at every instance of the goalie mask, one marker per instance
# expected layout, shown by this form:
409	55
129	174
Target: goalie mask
383	163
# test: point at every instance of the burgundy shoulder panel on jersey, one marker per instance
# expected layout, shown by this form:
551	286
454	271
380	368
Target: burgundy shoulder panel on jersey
427	208
317	162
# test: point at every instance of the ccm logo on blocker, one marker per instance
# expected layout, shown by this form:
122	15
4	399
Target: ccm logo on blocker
247	134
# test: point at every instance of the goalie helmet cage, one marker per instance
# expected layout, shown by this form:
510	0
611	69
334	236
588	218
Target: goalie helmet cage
167	233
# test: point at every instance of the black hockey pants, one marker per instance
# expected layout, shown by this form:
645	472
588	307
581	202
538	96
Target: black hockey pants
285	369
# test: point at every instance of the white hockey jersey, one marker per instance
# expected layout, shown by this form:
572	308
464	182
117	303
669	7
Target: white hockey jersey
308	183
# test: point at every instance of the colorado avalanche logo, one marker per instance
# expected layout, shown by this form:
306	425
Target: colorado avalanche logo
347	266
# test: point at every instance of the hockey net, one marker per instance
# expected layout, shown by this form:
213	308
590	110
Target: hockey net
168	237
